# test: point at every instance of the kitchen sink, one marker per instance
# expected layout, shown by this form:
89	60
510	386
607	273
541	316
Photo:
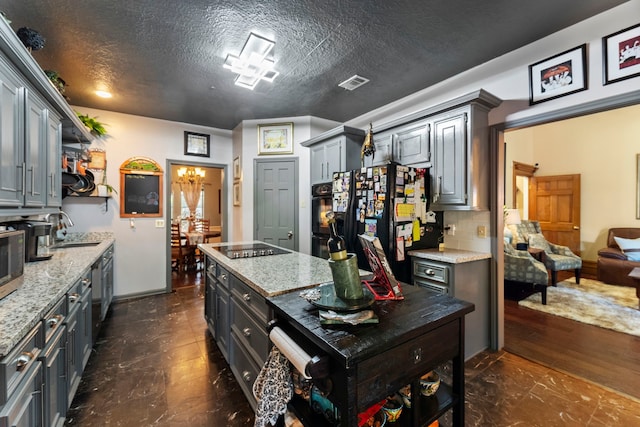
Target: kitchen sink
63	245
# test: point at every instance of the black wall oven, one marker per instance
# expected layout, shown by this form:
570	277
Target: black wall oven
321	202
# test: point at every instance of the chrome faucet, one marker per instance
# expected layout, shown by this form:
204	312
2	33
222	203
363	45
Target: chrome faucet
59	231
69	222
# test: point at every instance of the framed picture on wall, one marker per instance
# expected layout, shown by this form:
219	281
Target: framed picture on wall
236	194
275	138
560	75
196	144
621	53
236	168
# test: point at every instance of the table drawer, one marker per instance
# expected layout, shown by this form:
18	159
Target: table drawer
412	359
253	301
431	271
250	332
15	365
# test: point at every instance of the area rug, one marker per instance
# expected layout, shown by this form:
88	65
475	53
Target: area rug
591	302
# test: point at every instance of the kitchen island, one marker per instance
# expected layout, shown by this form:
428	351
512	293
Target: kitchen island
243	295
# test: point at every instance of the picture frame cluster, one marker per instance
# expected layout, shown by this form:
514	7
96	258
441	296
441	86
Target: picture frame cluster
567	72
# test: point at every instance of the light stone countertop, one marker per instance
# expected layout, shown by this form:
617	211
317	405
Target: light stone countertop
274	274
45	282
452	256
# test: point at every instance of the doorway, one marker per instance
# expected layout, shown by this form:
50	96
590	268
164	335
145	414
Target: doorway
210	209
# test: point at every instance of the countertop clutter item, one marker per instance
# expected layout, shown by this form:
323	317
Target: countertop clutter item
429	383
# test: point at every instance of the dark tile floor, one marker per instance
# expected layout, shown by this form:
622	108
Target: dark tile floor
155	365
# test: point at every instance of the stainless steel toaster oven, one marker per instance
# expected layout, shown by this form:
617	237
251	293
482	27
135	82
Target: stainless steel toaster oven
11	261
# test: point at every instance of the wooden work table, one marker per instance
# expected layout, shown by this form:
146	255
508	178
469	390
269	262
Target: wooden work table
370	362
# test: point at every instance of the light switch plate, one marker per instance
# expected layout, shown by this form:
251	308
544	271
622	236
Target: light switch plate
482	231
159	223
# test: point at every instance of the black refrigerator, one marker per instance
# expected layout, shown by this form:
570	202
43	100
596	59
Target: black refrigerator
389	202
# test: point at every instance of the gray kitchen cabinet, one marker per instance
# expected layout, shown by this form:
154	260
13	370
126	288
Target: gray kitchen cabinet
54	363
53	169
249	340
21	382
383	143
210	295
79	338
468	281
334	151
30	129
106	281
407	144
449	172
222	310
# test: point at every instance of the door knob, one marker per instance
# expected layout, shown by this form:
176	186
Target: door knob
290	235
575	227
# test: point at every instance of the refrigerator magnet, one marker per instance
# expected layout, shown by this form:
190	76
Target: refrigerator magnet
399	249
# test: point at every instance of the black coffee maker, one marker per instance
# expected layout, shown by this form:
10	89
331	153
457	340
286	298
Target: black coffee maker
37	240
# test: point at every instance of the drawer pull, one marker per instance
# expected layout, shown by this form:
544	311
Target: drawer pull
86	282
73	297
246	375
246	297
246	332
223	277
23	360
53	322
429	272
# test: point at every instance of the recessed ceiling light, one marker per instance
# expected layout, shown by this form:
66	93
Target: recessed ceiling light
103	94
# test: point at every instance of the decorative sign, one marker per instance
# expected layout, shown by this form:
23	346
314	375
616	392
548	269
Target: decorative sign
140	188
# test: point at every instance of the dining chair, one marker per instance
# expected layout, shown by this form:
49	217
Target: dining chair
202	225
181	253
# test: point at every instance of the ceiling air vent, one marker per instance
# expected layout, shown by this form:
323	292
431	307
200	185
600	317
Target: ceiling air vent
353	82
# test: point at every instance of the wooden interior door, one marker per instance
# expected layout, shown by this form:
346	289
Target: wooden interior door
554	201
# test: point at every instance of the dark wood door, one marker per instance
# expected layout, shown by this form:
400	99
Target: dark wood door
554	201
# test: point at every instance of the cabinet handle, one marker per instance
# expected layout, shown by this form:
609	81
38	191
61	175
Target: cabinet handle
322	174
23	360
53	322
436	197
328	171
429	272
33	181
86	282
223	277
24	179
246	375
246	297
73	297
246	332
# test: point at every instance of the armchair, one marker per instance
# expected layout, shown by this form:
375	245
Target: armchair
521	267
556	257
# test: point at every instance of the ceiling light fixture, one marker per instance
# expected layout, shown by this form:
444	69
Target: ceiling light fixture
252	65
103	94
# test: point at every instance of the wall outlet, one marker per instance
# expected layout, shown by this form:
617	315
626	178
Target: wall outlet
159	223
451	229
482	231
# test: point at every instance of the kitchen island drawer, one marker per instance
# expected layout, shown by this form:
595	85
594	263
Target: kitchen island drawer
222	275
412	359
431	270
252	300
244	369
15	365
251	333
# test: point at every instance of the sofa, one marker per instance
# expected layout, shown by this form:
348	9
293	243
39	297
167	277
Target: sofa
613	264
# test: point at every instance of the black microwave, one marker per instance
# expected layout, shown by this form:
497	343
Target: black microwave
11	261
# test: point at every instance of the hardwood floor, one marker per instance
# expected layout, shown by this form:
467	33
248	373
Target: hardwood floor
608	358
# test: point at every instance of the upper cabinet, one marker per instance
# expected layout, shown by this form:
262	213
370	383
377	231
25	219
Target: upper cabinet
334	151
33	118
405	145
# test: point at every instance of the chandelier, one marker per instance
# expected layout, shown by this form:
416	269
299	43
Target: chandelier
191	182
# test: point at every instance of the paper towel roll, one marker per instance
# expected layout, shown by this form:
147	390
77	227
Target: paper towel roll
292	351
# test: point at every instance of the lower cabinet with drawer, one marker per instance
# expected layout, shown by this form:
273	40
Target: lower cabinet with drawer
249	340
21	382
468	281
79	326
54	363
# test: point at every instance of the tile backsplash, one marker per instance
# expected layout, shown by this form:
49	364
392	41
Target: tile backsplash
466	232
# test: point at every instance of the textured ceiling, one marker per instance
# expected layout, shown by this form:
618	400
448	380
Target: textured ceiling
163	58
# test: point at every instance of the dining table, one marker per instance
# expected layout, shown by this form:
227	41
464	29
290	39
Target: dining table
193	239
